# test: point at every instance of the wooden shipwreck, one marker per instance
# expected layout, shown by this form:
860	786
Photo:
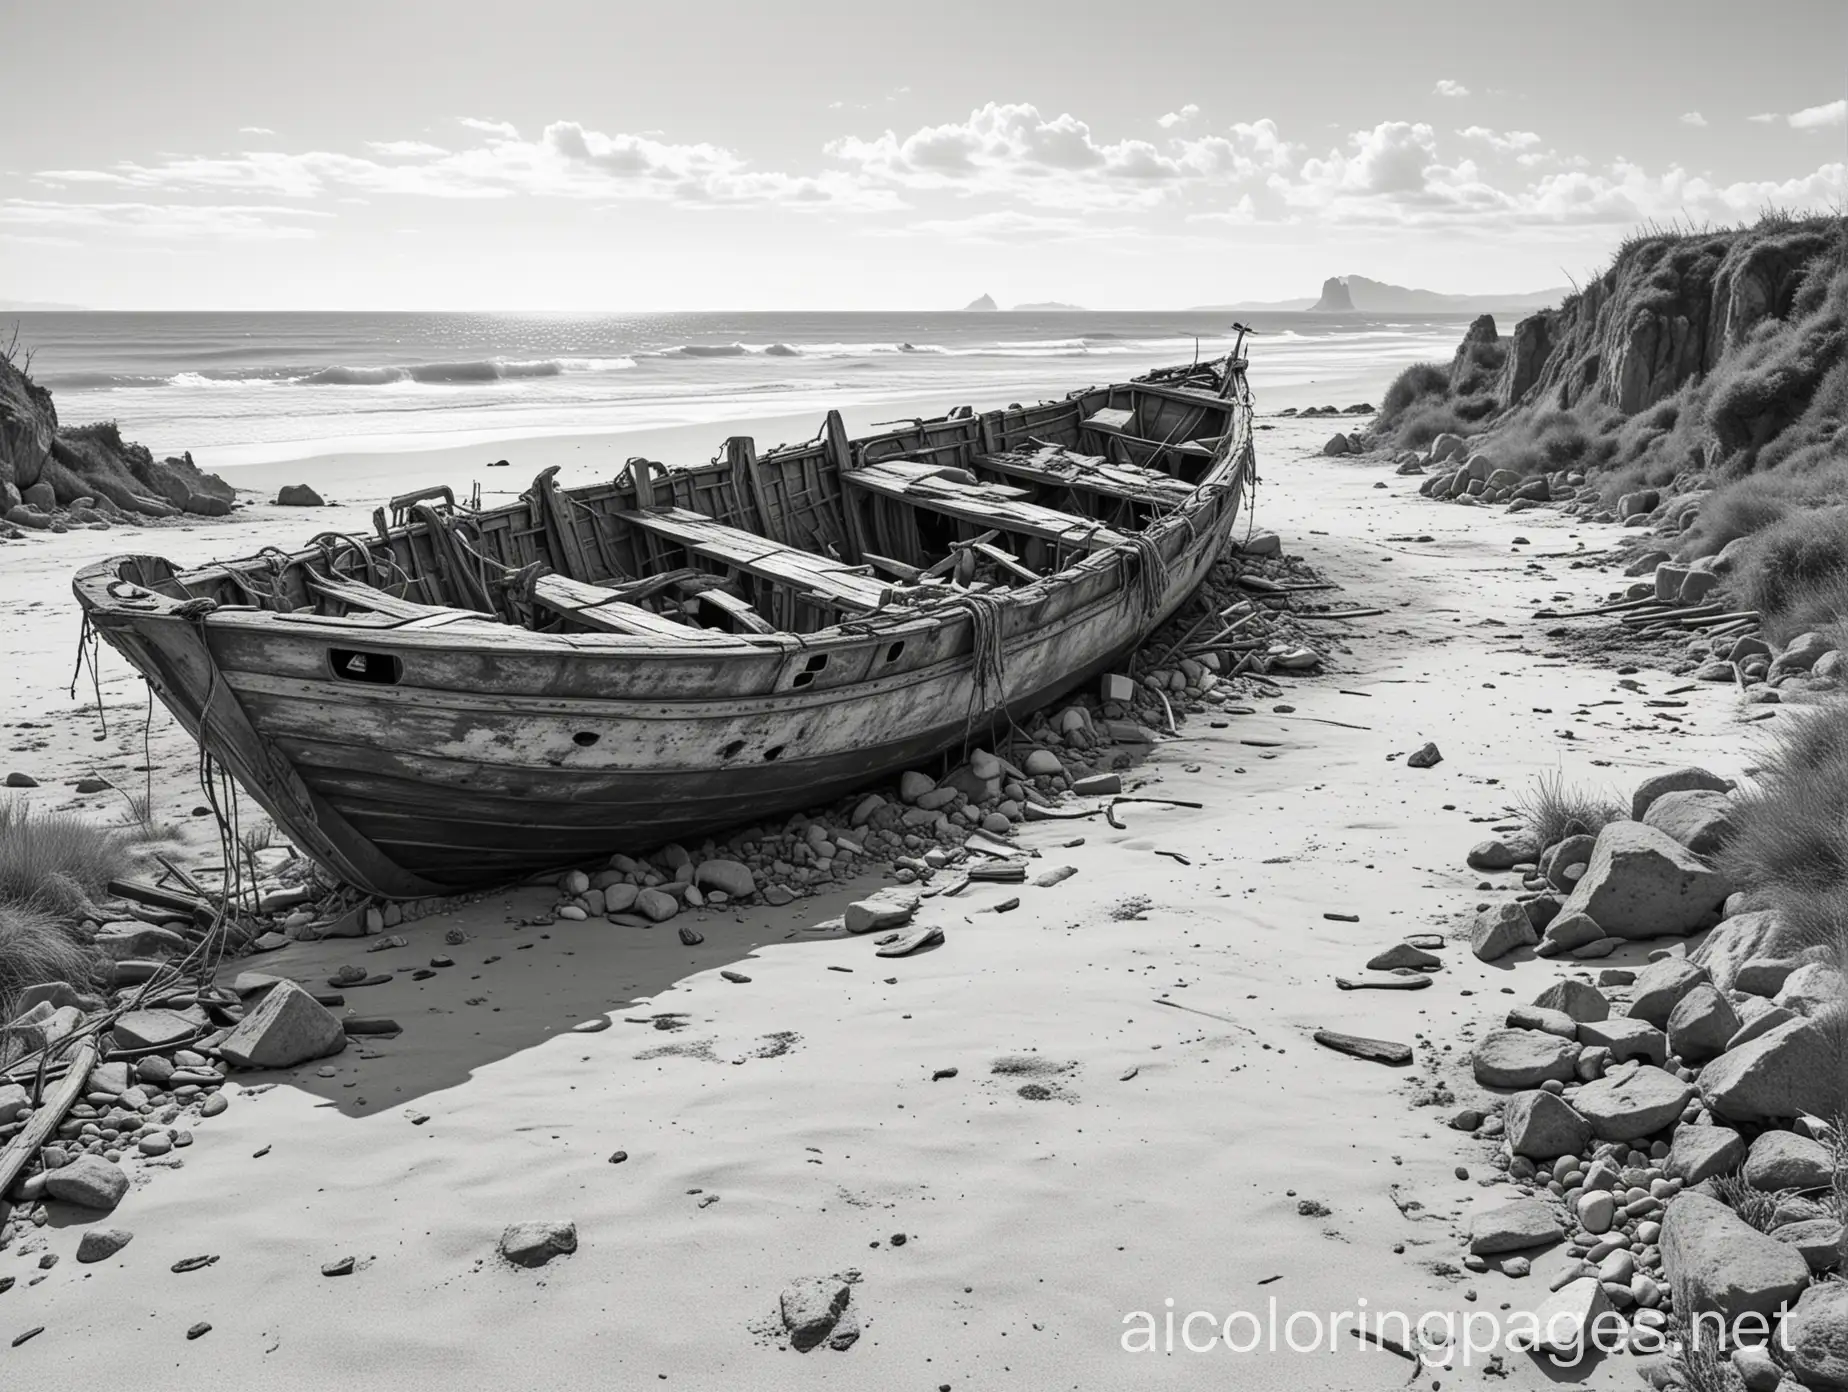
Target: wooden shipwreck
469	695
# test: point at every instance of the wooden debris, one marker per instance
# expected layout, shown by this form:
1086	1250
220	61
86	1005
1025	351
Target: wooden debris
1383	981
1373	1050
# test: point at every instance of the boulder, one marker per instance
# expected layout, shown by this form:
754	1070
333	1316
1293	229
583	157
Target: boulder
1512	1227
183	484
1660	987
912	785
1812	988
1572	1320
535	1244
1534	1017
1701	1024
1674	781
1424	757
1701	1152
15	1102
1817	1240
1785	1160
1579	999
1542	1127
1786	1072
1640	884
1814	1338
1697	818
1568	931
891	907
98	1244
1562	860
811	1307
1758	1022
1500	930
1765	976
1716	1262
1627	1037
729	876
1496	854
1626	1105
89	1181
153	1029
298	495
1740	938
1520	1058
288	1026
1337	444
656	905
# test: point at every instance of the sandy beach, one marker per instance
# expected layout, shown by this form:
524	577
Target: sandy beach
1183	1139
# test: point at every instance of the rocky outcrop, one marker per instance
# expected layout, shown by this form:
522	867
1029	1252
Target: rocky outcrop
1335	298
28	424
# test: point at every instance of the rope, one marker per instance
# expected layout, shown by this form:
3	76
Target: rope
1151	572
987	675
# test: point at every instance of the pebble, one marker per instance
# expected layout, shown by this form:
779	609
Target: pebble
199	1329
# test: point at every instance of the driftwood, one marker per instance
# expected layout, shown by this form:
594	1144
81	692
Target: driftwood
1373	1050
50	1114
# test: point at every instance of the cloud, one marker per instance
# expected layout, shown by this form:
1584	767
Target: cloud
1450	87
566	160
1833	113
1764	118
1175	118
255	130
1502	142
1693	118
231	222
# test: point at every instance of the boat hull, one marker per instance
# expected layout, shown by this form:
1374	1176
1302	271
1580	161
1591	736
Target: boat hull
497	751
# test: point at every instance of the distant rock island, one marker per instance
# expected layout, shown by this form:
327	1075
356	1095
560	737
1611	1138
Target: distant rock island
983	303
1357	294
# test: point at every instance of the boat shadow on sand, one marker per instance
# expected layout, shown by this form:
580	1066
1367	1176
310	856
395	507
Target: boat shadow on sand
514	985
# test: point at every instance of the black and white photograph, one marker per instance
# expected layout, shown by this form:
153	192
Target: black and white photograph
1031	696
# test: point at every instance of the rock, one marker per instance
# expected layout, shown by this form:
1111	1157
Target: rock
1533	1017
1336	444
153	1029
1498	854
185	486
810	1308
1701	1152
1641	884
1512	1227
1564	864
657	906
1423	757
1698	818
1044	763
298	495
1500	930
1572	1320
1628	1105
288	1026
1812	989
1814	1338
89	1181
535	1244
58	995
1098	785
1521	1058
1765	976
727	876
1717	1262
1568	931
1785	1160
1542	1127
912	785
1578	999
98	1243
15	1101
1626	1037
1261	544
1404	955
1817	1240
1785	1072
1661	986
1701	1024
891	907
1674	781
1597	1210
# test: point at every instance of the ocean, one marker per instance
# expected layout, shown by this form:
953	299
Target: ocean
249	388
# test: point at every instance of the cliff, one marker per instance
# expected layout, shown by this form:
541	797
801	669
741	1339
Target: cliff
53	475
984	303
1335	298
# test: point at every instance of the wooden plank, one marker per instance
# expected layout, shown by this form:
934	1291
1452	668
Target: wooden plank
741	459
601	608
1057	467
737	610
50	1114
755	555
561	532
1385	1051
840	456
983	505
356	594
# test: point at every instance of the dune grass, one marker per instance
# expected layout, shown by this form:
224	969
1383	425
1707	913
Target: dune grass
1554	809
1791	843
52	866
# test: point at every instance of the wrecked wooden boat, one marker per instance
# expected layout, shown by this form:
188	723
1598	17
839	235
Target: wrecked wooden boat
472	694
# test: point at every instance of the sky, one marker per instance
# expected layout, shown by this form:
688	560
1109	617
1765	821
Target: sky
809	154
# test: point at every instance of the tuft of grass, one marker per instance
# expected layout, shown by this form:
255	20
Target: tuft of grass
36	947
1791	842
1762	1210
1554	809
54	861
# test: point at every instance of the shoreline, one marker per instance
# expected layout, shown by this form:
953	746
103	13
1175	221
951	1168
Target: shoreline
1181	1133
